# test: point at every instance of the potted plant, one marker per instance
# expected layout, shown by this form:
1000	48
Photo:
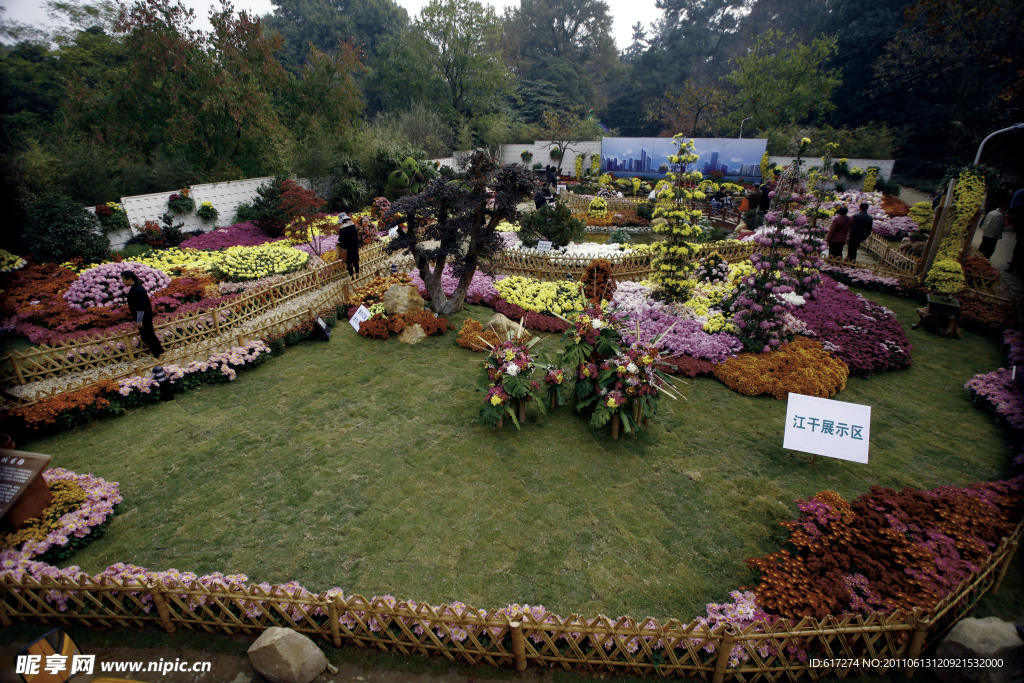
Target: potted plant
526	155
207	212
945	279
181	202
152	232
556	153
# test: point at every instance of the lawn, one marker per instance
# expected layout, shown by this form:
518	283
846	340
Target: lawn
359	463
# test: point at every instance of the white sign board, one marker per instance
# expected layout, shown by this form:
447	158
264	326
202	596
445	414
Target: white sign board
544	246
835	429
559	189
362	313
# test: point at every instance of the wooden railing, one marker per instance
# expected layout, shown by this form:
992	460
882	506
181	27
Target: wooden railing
780	651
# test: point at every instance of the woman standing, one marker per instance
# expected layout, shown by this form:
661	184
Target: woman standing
142	312
838	232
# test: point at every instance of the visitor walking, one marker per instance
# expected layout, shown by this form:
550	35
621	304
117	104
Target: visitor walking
348	244
863	224
142	312
838	232
992	229
551	178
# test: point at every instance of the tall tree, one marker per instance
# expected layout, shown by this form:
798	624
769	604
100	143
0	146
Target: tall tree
696	35
323	23
464	36
694	110
637	43
780	82
455	223
957	70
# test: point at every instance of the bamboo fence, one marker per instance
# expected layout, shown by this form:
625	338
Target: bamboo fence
175	331
772	652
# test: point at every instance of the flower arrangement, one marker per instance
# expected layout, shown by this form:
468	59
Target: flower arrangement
802	366
598	282
870	179
81	510
674	253
595	163
553	298
579	165
886	550
712	269
598	207
556	153
102	285
380	207
152	231
855	173
180	202
627	389
112	217
865	336
507	378
526	155
373	291
207	212
382	326
238	235
248	263
10	262
945	277
472	336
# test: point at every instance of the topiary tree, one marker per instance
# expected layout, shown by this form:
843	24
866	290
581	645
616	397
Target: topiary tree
454	223
554	223
58	229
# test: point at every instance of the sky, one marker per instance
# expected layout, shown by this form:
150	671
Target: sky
624	13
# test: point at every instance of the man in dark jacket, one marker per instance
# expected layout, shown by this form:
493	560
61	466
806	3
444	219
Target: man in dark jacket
348	239
862	225
142	312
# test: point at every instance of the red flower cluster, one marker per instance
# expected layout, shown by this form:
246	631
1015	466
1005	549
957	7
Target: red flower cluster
381	327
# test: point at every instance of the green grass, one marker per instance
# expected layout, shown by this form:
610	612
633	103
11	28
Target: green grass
360	464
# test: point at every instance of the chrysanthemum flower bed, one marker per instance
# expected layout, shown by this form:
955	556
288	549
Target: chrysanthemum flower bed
801	366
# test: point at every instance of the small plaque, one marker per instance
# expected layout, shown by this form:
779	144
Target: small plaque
835	429
361	314
21	472
544	246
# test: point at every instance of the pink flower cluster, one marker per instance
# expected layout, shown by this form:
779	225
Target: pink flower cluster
238	235
481	287
101	497
102	285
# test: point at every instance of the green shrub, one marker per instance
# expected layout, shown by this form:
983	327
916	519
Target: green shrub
554	223
645	210
58	229
131	251
264	210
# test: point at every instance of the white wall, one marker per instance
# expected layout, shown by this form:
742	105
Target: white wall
541	150
884	168
225	197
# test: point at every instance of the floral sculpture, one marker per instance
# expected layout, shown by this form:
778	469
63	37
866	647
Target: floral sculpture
507	378
672	255
627	390
598	207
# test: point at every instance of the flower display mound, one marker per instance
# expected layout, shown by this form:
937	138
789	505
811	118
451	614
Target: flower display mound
865	336
474	337
373	291
245	234
102	285
801	367
249	263
999	391
80	512
550	298
481	287
382	326
678	335
886	550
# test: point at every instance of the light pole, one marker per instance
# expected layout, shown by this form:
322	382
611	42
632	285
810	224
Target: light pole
741	125
977	157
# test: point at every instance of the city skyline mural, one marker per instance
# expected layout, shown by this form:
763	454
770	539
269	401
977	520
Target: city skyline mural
648	157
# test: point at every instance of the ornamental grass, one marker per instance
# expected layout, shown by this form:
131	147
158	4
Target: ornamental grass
887	550
802	366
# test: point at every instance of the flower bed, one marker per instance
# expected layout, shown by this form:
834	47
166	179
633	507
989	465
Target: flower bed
999	391
102	285
801	367
238	235
553	298
81	510
10	262
865	336
481	287
381	326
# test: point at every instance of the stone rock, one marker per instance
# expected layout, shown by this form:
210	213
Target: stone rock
502	326
282	655
402	299
988	638
412	334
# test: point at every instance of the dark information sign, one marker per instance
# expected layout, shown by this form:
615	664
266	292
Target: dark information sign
17	471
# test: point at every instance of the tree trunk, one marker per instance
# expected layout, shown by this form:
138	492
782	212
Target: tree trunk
432	281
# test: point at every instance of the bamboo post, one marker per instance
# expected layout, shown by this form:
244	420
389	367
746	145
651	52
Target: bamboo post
18	372
724	649
5	619
518	644
332	611
216	322
616	423
128	346
156	591
1010	552
916	641
521	410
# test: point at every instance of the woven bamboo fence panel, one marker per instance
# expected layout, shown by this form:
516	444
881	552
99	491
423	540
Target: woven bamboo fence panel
769	652
628	266
896	260
578	202
93	352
